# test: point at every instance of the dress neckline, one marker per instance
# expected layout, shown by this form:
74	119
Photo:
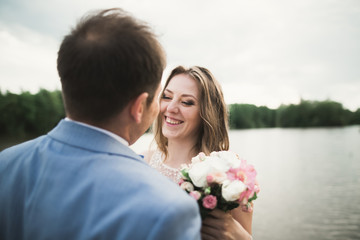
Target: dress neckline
157	162
162	157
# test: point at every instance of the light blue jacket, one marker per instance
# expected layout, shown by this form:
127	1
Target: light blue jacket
79	183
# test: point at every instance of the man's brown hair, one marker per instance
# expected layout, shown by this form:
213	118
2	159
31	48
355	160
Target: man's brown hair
106	61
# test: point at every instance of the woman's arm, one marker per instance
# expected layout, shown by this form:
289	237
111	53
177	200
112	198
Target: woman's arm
221	225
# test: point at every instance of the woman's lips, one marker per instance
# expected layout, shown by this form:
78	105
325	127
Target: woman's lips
172	121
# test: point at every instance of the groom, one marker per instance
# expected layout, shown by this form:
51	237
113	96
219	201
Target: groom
81	180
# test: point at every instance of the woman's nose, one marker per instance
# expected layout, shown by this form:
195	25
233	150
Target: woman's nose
172	107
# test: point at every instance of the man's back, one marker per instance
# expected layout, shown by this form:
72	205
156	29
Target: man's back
77	183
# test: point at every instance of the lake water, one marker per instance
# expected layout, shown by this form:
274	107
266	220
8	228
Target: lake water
309	180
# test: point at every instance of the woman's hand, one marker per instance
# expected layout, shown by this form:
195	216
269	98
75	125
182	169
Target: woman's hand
221	225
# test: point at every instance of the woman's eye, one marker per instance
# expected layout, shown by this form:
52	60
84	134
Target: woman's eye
165	97
188	103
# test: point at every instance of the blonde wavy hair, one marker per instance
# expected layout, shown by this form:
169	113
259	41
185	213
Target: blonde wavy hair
213	132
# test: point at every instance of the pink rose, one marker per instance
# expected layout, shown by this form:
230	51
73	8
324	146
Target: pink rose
209	178
181	181
195	194
209	202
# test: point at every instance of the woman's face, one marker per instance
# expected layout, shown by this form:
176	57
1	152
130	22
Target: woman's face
179	108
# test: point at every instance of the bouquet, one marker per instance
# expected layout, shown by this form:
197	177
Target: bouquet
221	180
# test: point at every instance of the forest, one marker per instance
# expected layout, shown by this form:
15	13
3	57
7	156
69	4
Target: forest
27	115
305	114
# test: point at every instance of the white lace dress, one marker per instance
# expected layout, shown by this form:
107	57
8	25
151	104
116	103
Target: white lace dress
157	162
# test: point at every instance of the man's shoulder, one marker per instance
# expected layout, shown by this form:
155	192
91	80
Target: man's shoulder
136	179
21	148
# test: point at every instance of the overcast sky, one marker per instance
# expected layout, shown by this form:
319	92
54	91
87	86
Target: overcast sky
263	52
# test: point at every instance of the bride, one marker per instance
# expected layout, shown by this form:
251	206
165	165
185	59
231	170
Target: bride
193	119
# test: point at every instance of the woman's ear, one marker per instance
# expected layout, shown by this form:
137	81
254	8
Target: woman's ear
138	107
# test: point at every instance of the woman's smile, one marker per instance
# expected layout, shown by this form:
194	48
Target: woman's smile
172	121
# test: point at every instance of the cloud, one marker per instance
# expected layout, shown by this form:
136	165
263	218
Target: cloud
28	60
262	52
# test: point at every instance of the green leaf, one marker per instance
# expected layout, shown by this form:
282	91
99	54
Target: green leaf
185	173
253	198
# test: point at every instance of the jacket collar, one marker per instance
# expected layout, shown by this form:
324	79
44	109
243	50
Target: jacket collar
82	136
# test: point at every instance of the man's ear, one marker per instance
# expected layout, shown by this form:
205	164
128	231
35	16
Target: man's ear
138	107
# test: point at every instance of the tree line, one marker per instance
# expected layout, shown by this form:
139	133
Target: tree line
305	114
28	115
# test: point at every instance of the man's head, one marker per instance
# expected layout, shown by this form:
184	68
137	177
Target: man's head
106	62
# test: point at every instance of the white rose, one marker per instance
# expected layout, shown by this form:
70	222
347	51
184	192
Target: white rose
198	173
187	186
231	158
231	190
218	164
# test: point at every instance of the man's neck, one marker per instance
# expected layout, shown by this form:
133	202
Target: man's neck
101	129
